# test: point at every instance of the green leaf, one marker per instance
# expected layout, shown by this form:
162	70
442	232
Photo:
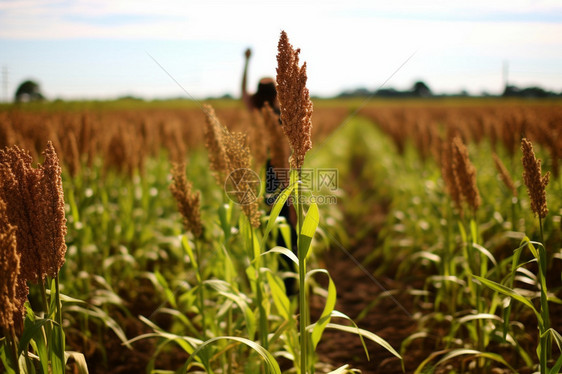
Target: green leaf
285	230
462	352
474	230
276	209
5	359
279	295
57	349
558	340
271	366
189	251
109	322
485	252
509	292
367	334
187	343
285	252
324	319
341	370
225	215
309	226
32	330
225	289
167	291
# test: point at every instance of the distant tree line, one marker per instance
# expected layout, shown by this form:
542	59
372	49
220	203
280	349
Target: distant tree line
421	89
31	91
530	92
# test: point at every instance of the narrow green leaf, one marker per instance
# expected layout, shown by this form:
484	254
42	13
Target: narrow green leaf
474	230
32	330
285	252
479	316
309	226
189	251
276	209
324	319
367	334
279	295
226	290
73	207
461	352
311	220
96	312
285	230
6	361
271	366
485	252
79	359
508	292
167	291
340	370
225	214
57	349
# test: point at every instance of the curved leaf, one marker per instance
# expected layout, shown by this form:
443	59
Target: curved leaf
328	308
271	365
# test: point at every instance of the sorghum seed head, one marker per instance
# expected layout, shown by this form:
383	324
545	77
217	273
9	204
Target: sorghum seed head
504	174
294	101
188	202
535	182
465	174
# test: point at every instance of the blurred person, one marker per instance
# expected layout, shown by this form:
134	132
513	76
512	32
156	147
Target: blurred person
266	93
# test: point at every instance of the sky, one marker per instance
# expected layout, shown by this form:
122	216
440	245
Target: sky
103	49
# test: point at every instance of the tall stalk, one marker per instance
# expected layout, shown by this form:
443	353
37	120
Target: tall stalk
303	307
259	295
201	291
544	341
12	342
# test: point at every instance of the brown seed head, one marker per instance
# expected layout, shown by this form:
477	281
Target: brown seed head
465	174
214	142
51	209
35	203
188	202
536	184
294	101
449	175
504	174
239	161
230	157
9	271
20	180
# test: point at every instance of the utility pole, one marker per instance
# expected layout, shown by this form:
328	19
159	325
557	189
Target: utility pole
5	82
505	74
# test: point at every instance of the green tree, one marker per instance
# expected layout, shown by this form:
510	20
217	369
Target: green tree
28	91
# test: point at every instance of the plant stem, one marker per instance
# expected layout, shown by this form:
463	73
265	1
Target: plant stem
58	319
259	295
303	308
12	342
44	298
201	291
544	341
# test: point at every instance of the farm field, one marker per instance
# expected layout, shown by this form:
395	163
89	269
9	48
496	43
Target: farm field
423	250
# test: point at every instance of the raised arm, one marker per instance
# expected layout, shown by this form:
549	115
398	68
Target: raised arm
246	97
